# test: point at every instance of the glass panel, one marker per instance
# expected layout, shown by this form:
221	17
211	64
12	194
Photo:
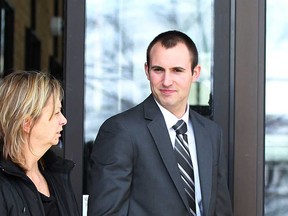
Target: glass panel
276	144
2	33
117	35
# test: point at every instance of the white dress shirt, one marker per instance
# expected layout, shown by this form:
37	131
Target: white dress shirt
171	120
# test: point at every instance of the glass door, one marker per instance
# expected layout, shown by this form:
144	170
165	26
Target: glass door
117	35
276	144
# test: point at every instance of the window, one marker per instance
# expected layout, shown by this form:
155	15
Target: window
6	37
276	144
117	35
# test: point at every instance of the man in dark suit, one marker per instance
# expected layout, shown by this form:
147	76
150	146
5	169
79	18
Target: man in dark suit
135	169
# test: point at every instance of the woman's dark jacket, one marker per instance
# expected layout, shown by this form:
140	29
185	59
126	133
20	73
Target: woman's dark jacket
19	196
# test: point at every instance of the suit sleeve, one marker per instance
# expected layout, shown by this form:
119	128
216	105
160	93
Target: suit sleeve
223	201
111	174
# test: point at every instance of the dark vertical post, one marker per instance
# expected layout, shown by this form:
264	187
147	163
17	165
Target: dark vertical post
249	127
223	78
74	88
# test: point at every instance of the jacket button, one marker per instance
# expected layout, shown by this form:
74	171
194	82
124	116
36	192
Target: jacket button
24	210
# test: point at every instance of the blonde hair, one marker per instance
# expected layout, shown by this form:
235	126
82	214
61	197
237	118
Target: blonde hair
23	95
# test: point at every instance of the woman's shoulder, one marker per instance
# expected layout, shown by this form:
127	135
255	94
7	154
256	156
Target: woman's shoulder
56	163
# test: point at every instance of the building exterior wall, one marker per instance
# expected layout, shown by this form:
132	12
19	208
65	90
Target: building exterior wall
44	11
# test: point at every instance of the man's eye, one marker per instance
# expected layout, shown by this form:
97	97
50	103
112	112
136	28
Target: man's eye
158	69
178	70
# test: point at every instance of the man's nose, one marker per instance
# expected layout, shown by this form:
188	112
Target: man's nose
167	79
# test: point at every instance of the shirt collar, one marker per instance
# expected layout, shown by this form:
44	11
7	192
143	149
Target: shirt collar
170	118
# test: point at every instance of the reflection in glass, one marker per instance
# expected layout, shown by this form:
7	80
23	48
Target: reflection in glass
117	35
2	40
276	144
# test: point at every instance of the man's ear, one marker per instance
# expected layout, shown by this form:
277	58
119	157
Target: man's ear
27	125
196	72
146	68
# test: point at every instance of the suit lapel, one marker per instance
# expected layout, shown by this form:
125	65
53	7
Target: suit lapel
204	158
158	130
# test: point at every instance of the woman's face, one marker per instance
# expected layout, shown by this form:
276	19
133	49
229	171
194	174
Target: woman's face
47	130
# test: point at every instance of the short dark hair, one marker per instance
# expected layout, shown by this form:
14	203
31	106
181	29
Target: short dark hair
170	39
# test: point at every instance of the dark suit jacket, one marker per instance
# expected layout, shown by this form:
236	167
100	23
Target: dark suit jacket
134	170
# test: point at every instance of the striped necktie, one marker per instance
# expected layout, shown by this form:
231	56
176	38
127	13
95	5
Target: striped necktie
185	166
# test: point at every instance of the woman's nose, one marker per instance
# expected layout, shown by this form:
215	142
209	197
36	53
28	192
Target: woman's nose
63	120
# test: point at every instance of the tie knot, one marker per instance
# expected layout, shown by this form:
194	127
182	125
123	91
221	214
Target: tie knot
180	127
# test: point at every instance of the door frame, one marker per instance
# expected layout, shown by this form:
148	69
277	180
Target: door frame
238	95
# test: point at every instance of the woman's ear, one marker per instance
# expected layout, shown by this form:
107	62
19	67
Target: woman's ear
27	125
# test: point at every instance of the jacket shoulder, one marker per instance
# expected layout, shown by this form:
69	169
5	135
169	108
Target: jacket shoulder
203	120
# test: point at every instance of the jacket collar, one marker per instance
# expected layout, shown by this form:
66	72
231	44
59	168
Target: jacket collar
49	161
158	130
161	137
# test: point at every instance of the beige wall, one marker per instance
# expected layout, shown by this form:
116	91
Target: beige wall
22	20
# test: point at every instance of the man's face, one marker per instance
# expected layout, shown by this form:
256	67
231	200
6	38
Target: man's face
171	77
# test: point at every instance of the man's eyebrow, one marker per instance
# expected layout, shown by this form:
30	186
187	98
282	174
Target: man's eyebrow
179	68
174	68
156	66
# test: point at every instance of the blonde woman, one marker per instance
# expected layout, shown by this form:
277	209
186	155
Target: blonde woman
33	180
